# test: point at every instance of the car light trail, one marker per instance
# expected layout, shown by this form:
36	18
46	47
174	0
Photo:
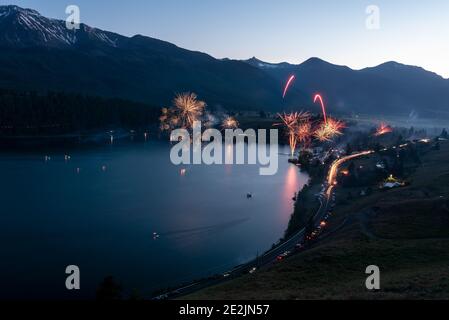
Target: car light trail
331	180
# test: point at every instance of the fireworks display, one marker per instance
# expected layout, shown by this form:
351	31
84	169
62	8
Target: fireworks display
299	126
326	131
185	111
330	127
169	119
383	129
304	132
190	109
230	123
287	85
292	122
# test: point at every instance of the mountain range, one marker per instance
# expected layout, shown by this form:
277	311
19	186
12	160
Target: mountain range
41	54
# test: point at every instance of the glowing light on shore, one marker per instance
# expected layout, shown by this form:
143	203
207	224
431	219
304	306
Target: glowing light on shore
291	185
288	84
323	107
383	129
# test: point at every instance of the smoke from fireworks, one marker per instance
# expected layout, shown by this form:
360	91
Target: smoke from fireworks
230	123
329	129
323	108
383	129
287	85
185	111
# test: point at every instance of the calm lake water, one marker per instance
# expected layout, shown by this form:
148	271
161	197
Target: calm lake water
99	210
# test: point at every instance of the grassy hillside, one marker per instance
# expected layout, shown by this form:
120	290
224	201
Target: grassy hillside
403	231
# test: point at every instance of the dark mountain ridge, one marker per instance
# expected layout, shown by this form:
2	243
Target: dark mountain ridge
38	53
389	89
41	54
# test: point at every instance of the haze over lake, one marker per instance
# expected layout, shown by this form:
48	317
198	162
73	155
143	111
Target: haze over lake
99	210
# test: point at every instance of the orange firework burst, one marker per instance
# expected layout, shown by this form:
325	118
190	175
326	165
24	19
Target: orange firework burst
230	123
326	131
383	129
189	108
292	122
186	110
304	132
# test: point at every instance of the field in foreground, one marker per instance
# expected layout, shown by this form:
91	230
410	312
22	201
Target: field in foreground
403	231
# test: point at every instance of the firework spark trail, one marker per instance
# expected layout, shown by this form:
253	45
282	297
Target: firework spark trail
323	107
288	84
383	129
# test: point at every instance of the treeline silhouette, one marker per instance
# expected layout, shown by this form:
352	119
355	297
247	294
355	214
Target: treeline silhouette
31	113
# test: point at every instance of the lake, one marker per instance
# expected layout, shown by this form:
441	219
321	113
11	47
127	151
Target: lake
101	207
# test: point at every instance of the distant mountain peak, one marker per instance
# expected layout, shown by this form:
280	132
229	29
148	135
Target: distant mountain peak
393	65
21	27
393	68
265	65
315	60
13	9
257	61
28	18
147	69
310	63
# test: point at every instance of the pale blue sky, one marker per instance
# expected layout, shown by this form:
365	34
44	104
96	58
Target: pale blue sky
412	32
